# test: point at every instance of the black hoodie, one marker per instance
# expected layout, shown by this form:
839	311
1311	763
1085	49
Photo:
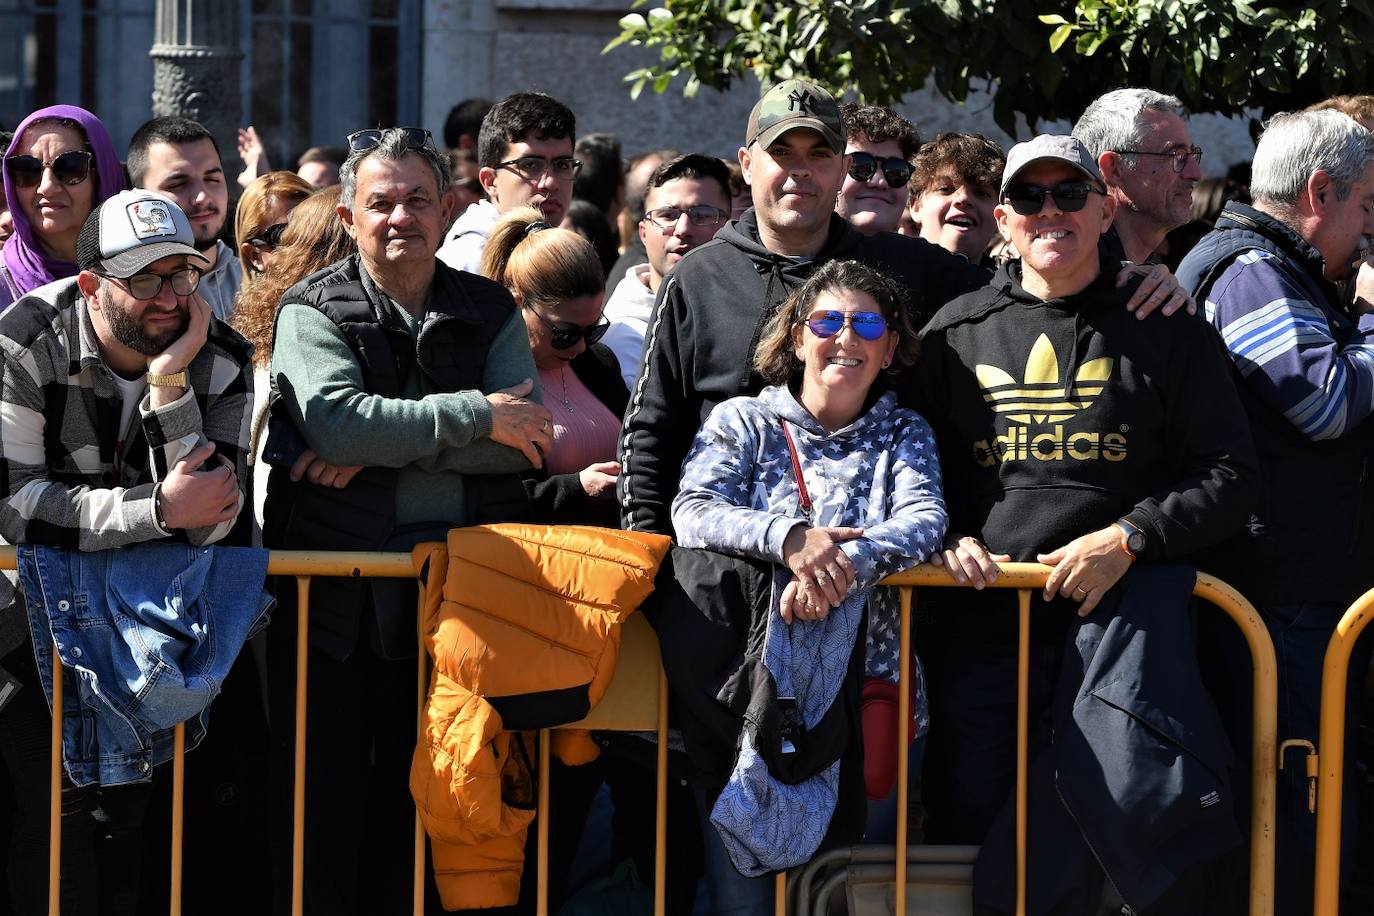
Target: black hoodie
707	320
1055	418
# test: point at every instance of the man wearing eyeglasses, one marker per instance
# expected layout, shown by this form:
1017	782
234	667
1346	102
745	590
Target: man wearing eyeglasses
1268	276
1071	434
525	159
687	201
1142	145
126	410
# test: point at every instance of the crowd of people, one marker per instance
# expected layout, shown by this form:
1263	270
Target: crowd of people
842	352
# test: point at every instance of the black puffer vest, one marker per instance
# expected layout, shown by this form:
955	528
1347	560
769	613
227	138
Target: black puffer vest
465	314
1312	536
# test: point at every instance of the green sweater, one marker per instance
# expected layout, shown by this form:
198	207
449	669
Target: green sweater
433	437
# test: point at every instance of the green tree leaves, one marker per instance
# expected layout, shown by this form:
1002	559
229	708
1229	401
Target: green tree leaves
1047	59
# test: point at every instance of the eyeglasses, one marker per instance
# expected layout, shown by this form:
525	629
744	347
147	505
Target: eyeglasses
868	325
360	141
146	286
896	171
70	168
1069	196
269	238
666	218
567	338
1178	156
533	168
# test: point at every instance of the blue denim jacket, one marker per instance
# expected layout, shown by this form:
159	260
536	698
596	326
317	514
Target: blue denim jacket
150	632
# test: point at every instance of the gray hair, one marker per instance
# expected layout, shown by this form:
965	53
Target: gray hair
1113	121
393	146
1295	144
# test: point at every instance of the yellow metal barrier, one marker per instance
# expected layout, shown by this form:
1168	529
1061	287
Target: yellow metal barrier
637	700
1331	763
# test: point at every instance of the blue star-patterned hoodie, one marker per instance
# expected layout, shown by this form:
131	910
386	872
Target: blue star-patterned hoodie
739	495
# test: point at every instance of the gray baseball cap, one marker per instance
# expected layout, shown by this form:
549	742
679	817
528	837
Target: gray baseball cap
1062	148
795	103
131	230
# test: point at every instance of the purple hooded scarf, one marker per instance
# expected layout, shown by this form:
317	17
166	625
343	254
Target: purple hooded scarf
28	264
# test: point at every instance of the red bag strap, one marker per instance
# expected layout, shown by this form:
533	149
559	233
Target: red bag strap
802	494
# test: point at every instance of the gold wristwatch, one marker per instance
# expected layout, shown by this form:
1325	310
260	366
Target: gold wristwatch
175	380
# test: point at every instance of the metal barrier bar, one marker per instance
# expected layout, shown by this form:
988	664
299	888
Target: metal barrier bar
1331	759
1026	576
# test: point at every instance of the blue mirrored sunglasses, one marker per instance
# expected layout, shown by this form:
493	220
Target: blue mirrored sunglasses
868	325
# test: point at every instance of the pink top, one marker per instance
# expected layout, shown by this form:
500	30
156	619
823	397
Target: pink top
584	430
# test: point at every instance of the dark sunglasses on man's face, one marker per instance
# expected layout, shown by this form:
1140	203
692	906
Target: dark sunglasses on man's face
828	323
363	140
1069	196
70	168
566	338
269	238
896	171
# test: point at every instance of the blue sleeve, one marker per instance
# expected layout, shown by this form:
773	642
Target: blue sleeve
712	508
1283	345
916	521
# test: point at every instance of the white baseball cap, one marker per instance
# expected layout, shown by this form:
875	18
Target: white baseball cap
131	230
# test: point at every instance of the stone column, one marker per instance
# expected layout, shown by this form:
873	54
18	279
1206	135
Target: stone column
196	58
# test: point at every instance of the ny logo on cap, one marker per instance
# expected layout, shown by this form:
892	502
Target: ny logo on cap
800	100
150	218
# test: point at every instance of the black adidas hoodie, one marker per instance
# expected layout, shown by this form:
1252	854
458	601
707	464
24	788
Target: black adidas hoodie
1055	418
707	321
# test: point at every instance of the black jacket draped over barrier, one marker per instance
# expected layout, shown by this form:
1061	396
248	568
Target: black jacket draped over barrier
1129	789
710	611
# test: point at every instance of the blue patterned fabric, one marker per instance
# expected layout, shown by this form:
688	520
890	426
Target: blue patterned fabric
739	495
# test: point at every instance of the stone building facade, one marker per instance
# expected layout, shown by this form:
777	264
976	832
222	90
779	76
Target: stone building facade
311	71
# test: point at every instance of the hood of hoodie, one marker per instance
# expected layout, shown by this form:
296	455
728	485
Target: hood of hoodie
478	218
841	239
782	402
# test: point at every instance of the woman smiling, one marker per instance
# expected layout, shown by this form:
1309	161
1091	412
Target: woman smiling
824	476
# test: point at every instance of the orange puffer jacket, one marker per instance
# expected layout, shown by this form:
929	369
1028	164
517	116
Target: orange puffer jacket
522	623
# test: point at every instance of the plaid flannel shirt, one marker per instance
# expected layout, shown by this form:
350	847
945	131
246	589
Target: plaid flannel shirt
62	481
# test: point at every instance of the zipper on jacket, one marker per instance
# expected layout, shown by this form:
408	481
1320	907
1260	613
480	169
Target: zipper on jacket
1126	908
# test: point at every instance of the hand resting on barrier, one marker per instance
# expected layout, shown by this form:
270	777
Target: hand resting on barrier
969	561
1086	568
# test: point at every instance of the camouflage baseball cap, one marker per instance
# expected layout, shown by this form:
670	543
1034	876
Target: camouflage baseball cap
795	103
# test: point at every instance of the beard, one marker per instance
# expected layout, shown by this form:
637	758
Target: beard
129	330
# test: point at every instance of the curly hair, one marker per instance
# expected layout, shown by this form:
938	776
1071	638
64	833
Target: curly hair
877	124
972	158
776	357
315	238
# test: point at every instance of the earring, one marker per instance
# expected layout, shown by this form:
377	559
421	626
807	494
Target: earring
887	363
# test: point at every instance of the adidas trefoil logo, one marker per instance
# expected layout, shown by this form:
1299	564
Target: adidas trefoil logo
1039	400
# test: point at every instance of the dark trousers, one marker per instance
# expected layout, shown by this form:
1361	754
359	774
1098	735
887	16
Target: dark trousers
359	818
102	841
970	758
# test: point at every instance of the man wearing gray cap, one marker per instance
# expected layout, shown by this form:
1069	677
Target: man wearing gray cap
126	410
1070	434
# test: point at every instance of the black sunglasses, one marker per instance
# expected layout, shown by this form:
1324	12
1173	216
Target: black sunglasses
70	168
360	141
567	338
896	171
269	238
1069	196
